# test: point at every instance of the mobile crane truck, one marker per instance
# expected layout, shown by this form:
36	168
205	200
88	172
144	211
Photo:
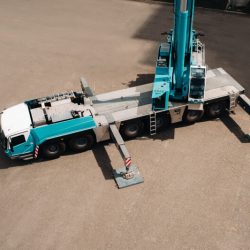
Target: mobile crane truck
183	90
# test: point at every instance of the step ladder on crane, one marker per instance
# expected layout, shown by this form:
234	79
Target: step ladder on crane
152	120
233	101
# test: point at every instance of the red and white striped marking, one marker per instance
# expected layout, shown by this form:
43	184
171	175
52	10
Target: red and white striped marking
127	162
36	152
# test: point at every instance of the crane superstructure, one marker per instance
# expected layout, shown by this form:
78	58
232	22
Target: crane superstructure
180	67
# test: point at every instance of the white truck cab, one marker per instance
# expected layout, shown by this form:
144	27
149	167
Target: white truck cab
15	125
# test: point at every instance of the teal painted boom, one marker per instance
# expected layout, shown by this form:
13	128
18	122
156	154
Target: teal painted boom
172	77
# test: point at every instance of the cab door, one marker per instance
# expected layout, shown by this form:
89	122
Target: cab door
21	144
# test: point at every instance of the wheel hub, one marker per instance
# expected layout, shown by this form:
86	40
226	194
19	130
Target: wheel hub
53	148
82	141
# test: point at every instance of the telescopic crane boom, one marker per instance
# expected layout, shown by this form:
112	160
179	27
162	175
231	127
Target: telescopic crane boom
180	67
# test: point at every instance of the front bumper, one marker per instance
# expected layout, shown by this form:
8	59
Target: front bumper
28	156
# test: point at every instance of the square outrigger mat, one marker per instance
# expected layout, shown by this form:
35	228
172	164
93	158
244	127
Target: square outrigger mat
122	182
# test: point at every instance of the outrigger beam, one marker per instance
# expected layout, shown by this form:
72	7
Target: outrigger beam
129	174
244	102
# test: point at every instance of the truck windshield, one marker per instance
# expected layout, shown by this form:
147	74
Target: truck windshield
3	140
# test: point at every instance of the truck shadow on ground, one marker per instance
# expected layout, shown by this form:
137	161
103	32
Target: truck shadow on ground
141	79
103	160
5	162
232	126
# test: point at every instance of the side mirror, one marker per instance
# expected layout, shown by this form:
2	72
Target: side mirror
11	145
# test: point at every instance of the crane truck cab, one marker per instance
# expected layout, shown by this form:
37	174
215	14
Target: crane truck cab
15	127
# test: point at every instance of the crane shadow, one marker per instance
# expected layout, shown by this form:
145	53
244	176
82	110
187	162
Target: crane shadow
6	163
141	79
168	133
235	129
103	160
99	152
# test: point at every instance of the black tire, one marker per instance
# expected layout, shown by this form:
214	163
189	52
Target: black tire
229	7
131	129
248	8
216	109
192	116
82	142
53	150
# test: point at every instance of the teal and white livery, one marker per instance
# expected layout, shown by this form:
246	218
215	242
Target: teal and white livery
47	122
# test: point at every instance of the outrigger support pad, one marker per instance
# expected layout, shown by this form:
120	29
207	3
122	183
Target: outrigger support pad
129	174
125	179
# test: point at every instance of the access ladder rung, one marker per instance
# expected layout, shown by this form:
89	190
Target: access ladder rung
233	99
152	118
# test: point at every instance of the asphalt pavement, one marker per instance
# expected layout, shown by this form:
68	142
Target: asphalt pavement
196	189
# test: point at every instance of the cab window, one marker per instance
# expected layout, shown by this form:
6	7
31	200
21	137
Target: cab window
17	140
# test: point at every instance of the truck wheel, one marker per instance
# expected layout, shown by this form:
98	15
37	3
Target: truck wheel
81	142
192	116
53	150
131	129
216	109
